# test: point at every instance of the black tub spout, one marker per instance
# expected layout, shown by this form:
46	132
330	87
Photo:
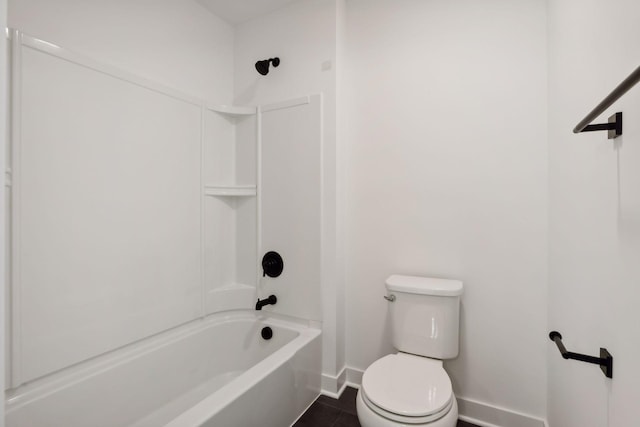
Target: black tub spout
267	301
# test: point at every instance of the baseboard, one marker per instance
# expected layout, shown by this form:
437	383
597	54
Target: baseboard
478	413
485	415
333	386
354	377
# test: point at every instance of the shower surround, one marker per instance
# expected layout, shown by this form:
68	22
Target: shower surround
134	299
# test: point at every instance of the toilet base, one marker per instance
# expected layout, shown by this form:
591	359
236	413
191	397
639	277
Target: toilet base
368	418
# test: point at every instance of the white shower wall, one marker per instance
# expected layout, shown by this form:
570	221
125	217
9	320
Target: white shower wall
177	44
304	35
290	203
3	199
106	208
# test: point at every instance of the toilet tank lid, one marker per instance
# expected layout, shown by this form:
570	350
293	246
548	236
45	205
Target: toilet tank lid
424	285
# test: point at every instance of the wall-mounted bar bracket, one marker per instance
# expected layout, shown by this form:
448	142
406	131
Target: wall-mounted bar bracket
605	360
613	126
614	131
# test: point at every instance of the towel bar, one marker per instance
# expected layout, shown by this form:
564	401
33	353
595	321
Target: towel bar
605	360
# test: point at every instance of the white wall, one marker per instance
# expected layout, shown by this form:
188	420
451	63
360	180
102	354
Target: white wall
594	214
3	144
446	167
174	42
446	177
304	36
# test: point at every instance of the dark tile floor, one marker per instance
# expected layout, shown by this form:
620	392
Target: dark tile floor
328	412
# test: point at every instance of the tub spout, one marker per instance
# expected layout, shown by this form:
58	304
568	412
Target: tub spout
267	301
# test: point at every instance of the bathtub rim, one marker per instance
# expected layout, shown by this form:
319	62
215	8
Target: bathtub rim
42	387
201	412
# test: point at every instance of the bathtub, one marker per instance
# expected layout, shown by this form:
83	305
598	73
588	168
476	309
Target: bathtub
214	372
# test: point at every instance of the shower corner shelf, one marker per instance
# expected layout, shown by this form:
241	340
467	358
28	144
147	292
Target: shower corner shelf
233	110
230	190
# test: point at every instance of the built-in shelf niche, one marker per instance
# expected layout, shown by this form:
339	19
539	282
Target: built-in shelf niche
230	207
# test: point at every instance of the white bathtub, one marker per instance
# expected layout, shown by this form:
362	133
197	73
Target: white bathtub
215	372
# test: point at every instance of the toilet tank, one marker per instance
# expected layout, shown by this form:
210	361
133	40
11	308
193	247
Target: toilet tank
425	315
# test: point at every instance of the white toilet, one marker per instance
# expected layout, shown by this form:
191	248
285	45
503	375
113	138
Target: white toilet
411	388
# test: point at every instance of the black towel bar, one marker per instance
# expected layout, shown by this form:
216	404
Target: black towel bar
605	360
614	125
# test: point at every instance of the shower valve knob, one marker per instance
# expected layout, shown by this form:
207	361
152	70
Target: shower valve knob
272	264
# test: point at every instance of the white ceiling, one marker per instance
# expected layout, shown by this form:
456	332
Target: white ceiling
237	11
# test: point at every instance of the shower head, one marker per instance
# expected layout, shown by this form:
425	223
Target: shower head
263	66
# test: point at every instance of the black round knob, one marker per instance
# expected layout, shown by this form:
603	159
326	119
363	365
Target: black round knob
267	333
272	264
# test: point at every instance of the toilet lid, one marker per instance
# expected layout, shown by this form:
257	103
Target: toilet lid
408	385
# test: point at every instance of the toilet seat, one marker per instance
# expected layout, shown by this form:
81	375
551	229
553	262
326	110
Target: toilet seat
408	389
404	419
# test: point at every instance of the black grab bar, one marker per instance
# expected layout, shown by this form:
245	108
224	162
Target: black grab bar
614	125
605	360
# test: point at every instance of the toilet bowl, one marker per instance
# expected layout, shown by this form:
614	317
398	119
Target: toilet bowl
411	388
403	389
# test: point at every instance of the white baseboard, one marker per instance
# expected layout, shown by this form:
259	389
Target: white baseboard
478	413
333	386
485	415
354	377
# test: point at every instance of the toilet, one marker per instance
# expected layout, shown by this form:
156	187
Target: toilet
411	388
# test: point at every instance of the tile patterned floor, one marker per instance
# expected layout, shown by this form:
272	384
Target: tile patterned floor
327	412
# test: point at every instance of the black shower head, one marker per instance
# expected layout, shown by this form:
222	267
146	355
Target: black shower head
263	66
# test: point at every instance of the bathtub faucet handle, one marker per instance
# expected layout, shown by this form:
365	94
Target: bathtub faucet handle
267	301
